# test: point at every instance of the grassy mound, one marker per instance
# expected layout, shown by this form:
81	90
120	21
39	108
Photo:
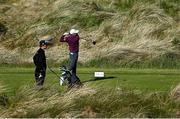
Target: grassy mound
132	29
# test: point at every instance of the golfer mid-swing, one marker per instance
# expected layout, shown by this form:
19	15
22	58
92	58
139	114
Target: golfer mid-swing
72	38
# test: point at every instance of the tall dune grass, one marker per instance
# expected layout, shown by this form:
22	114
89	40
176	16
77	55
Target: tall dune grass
88	102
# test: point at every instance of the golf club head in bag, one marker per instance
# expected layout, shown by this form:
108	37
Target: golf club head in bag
65	75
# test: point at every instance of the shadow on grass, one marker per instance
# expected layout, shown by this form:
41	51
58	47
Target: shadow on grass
97	79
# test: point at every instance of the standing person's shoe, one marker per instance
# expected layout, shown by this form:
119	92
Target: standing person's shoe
39	87
74	85
78	84
70	86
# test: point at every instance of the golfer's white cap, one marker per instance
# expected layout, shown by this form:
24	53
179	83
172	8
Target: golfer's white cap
74	31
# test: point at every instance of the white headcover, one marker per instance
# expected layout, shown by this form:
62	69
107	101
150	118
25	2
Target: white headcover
74	31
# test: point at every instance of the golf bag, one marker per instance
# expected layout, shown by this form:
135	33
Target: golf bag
65	75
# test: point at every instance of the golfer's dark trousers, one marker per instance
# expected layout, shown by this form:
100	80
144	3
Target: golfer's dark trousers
40	75
73	66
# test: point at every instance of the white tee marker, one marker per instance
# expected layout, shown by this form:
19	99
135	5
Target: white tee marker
98	74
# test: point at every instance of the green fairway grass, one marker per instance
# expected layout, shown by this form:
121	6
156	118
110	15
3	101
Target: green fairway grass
138	79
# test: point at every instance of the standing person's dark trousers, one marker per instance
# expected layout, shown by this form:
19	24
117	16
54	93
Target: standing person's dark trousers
40	75
73	66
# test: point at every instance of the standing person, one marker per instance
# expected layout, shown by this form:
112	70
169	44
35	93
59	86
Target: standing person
40	63
72	38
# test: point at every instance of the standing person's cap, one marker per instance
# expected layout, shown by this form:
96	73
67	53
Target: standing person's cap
43	42
74	31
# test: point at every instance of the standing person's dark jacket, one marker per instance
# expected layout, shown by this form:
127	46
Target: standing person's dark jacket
73	42
40	59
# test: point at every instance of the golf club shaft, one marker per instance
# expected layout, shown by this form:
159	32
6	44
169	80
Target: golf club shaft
54	73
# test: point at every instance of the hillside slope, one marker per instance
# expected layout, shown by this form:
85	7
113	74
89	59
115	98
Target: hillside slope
126	31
